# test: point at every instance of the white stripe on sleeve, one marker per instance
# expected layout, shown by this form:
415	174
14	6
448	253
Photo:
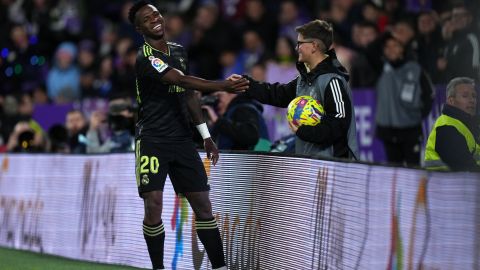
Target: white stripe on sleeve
338	99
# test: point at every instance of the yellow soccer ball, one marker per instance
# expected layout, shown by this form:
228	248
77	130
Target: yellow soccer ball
305	110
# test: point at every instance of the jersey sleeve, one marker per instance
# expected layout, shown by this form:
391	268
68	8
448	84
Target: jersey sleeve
276	94
152	67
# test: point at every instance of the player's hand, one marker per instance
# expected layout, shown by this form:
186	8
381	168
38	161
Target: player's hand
211	149
293	128
237	86
234	77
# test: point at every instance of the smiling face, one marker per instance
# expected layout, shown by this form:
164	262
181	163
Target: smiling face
150	23
465	98
304	49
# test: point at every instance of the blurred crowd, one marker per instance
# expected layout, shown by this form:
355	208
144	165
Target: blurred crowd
67	51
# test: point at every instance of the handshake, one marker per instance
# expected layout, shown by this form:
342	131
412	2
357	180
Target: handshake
235	84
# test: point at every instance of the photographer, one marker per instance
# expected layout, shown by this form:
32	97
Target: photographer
239	124
27	137
120	120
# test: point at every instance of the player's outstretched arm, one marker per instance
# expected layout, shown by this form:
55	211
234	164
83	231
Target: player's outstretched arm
176	77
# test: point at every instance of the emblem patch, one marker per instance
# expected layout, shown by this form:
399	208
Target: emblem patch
158	64
145	179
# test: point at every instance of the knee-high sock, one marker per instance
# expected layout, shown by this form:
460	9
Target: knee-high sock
155	237
209	235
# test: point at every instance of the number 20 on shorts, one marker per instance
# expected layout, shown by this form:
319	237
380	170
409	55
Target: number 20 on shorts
149	164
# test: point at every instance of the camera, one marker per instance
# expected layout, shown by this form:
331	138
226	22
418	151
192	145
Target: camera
209	100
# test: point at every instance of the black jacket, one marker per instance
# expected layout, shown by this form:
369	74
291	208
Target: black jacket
332	131
238	128
451	145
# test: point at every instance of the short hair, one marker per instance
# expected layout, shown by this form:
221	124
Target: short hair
76	111
317	29
135	8
452	85
367	24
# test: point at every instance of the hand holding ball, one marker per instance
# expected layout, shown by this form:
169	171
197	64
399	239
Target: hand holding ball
304	110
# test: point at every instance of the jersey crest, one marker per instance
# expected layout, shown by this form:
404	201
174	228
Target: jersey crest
157	64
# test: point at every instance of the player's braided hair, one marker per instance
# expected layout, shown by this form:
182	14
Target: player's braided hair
135	8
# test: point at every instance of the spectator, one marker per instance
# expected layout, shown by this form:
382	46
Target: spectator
253	50
430	44
86	55
58	142
77	127
362	73
124	78
282	67
239	124
40	96
343	14
289	18
103	83
25	139
463	50
256	17
87	65
371	12
229	63
21	71
15	109
176	30
210	36
404	31
404	98
63	81
454	142
9	117
121	123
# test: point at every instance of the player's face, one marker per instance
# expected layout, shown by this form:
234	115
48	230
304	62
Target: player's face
465	98
150	22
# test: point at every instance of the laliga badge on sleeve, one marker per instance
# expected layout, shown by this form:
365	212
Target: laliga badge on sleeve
158	64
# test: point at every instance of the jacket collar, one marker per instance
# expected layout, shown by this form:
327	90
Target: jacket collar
472	122
328	65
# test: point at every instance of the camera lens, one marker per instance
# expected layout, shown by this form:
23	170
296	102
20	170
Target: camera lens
209	100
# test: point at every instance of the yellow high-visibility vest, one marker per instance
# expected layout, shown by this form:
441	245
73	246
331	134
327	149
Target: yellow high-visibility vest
432	159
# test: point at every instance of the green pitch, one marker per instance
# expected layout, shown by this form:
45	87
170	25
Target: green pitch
23	260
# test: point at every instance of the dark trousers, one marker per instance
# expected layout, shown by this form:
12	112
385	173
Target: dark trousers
403	153
402	145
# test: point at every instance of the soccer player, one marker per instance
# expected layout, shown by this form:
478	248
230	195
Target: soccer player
164	142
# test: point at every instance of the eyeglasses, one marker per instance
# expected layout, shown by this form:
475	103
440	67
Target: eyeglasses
300	42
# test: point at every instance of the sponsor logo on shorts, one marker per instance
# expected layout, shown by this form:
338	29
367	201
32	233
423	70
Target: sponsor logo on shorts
157	63
145	179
